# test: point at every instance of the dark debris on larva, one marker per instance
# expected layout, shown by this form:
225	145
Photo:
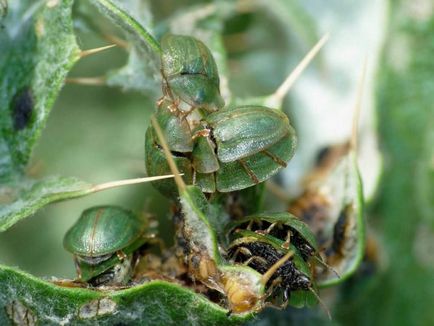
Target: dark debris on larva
22	108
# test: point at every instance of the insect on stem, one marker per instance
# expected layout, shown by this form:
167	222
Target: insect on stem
357	107
293	76
266	277
179	182
89	52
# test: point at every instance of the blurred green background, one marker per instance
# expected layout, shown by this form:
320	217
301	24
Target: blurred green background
97	133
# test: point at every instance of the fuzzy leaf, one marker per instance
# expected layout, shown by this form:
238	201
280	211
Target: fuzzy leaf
25	299
37	49
24	197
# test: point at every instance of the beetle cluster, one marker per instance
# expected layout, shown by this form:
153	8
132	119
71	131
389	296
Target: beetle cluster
217	148
221	150
250	262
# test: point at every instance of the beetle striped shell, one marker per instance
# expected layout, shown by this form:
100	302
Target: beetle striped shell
190	73
103	230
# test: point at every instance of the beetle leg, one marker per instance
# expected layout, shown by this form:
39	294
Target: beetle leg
194	177
249	227
201	133
270	289
287	241
257	258
121	255
242	250
249	171
160	101
275	158
280	306
173	107
268	230
77	267
185	114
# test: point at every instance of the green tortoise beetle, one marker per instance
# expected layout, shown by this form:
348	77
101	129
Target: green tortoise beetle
229	150
250	144
189	74
103	242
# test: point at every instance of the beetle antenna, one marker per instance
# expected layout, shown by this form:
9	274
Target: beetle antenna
92	81
322	304
266	277
89	52
327	266
283	89
126	182
357	107
179	182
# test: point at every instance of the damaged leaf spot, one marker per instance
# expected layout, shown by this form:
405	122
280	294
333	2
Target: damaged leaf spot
22	108
98	307
20	314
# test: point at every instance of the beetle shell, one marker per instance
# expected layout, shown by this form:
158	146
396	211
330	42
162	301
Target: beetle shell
156	164
103	230
247	130
252	144
232	149
190	72
177	130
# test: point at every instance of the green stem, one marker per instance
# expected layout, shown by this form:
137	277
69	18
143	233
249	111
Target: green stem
131	23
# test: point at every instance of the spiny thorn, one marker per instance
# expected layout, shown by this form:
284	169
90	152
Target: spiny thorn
89	52
266	277
283	89
179	182
125	182
92	81
358	106
116	40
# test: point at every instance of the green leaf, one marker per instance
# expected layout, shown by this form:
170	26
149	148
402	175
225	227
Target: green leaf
37	49
152	303
141	72
343	234
23	197
346	185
